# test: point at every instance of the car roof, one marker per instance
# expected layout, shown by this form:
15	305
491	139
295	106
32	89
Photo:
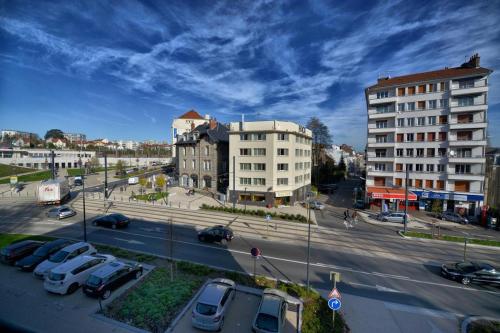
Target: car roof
22	243
212	294
56	242
270	304
76	262
109	269
75	246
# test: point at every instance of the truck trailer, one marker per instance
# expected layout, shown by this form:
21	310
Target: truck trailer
53	191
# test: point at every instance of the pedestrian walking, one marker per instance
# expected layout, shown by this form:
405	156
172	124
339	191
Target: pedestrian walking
355	217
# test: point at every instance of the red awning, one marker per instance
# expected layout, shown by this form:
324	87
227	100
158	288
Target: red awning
389	193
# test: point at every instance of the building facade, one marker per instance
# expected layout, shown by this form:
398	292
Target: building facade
433	124
202	156
185	124
493	177
272	162
75	137
41	158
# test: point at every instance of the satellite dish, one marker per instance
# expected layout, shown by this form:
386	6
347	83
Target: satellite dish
452	153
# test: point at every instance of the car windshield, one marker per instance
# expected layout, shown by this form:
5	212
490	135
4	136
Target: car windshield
56	276
59	256
41	251
54	210
206	309
466	267
94	280
5	251
267	322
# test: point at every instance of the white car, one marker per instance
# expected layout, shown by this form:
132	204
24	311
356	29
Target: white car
133	180
68	277
69	252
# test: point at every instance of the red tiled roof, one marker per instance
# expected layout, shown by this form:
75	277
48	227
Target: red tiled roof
446	73
191	114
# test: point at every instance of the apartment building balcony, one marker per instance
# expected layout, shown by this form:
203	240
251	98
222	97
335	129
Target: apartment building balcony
457	125
373	114
467	142
478	176
373	158
467	159
381	129
379	173
455	107
385	100
374	144
468	89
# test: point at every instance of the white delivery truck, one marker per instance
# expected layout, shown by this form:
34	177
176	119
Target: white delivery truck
133	180
53	191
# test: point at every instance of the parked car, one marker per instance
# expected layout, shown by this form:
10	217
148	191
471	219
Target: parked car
16	251
454	217
114	221
61	212
271	315
110	277
42	253
66	254
216	234
212	305
395	217
133	180
78	181
314	204
467	272
66	278
381	215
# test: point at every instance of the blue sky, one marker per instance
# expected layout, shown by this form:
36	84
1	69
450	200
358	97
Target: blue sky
125	69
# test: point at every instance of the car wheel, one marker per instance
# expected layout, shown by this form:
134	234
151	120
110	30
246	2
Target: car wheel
138	274
221	324
106	294
465	280
72	288
201	238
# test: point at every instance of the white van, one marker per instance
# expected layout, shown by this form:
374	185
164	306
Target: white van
66	278
133	180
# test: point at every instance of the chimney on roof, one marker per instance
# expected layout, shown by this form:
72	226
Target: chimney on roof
192	126
473	62
212	123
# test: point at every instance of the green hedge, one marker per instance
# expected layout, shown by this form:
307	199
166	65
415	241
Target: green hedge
256	212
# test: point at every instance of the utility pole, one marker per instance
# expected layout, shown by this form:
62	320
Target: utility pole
105	175
406	198
83	192
52	162
234	182
171	250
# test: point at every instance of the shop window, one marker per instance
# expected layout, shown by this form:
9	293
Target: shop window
428	183
398	181
462	186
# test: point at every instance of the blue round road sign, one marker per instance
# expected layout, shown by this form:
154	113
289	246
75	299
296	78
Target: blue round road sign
334	304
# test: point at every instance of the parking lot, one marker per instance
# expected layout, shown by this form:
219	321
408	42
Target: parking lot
239	317
26	304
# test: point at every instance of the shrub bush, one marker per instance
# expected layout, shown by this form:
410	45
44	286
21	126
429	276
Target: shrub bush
253	212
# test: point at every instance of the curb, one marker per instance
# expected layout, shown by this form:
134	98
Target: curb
428	240
468	320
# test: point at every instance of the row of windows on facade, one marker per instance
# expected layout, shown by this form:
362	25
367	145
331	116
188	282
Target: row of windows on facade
420	152
279	166
420	137
206	165
206	151
419	167
419	183
42	155
425	105
279	181
431	120
279	152
426	88
279	136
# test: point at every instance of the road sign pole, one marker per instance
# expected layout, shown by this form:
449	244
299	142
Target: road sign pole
254	268
308	241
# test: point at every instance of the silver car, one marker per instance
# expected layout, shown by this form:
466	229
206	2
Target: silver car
212	305
395	217
61	212
271	316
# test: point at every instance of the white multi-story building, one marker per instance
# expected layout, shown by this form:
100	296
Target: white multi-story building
75	137
272	162
41	158
185	124
433	124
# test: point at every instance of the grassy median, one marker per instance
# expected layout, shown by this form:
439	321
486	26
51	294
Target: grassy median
457	239
33	177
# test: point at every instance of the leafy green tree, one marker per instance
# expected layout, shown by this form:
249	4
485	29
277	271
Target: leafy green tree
54	133
160	181
120	167
94	164
437	206
143	182
320	132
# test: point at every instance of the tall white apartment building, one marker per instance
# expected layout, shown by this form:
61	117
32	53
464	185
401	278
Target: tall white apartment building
433	124
272	162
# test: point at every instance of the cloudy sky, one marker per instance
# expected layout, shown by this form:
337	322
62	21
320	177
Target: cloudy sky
125	69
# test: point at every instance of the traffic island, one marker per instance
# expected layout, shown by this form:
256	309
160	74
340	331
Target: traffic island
447	238
478	324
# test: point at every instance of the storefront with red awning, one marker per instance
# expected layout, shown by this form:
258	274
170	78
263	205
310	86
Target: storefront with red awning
394	197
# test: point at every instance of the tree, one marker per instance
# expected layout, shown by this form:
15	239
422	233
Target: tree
437	206
143	182
160	181
94	163
54	133
120	167
320	132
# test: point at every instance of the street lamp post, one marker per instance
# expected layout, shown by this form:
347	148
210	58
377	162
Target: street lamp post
406	199
245	199
83	192
308	239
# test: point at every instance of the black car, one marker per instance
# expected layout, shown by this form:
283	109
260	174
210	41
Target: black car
43	252
112	221
15	251
110	277
216	234
467	272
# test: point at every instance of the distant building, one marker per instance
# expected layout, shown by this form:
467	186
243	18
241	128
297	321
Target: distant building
19	138
40	158
493	177
75	137
58	143
272	162
185	124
